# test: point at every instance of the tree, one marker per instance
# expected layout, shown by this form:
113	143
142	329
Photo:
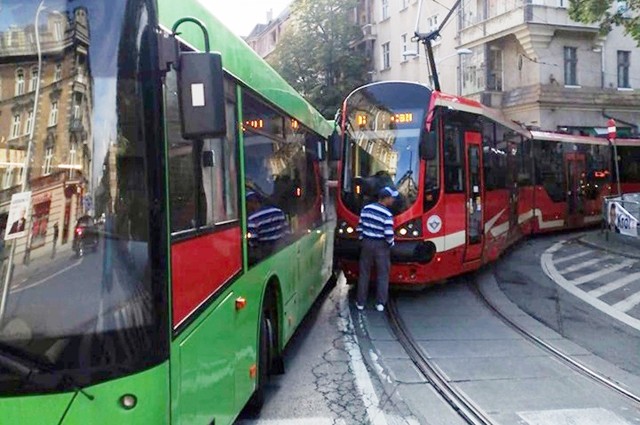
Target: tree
625	14
316	54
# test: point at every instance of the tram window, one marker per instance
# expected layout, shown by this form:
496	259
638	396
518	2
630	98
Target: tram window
202	184
549	165
494	158
629	160
453	159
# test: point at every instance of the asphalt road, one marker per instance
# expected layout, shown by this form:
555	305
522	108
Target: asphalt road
521	278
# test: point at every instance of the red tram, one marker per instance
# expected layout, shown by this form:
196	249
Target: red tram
471	181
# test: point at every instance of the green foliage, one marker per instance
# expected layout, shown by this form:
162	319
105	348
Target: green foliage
316	54
608	14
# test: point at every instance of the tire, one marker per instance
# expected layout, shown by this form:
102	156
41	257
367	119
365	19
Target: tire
257	399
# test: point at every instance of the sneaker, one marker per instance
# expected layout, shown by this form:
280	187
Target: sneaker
379	307
359	307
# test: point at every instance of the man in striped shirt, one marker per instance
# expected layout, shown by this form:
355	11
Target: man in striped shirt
265	224
376	232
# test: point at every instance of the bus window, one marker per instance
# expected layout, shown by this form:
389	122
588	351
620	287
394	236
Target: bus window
281	179
202	189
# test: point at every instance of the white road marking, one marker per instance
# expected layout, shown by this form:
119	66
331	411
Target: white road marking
294	421
572	257
606	270
628	303
584	265
38	282
546	261
616	284
589	416
361	375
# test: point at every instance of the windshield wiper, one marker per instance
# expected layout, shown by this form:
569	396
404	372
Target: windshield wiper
30	371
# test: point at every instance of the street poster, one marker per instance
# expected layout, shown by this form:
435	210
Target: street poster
621	221
17	219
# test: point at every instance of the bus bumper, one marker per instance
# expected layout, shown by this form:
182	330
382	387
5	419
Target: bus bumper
404	251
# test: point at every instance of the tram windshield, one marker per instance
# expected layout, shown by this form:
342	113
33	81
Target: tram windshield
383	128
78	300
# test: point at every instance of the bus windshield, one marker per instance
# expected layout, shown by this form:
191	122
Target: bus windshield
382	131
78	299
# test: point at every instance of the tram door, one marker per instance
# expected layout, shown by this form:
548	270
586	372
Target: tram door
576	169
475	198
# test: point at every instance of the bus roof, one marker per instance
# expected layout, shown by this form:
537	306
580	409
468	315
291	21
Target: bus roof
241	61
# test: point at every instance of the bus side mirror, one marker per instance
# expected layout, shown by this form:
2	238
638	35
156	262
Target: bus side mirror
201	95
429	146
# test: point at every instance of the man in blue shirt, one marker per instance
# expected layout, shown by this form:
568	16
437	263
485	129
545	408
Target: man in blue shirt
376	232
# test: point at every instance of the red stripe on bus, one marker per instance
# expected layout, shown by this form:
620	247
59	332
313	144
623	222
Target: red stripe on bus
200	267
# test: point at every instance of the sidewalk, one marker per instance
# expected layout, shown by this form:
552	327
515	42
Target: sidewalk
612	243
40	264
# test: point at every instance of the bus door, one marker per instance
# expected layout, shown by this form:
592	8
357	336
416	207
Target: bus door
576	169
474	198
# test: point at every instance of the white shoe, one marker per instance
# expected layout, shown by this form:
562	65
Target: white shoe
359	307
379	307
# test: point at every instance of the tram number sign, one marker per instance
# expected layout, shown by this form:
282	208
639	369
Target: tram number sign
434	224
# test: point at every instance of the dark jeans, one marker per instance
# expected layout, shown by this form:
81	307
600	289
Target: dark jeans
378	252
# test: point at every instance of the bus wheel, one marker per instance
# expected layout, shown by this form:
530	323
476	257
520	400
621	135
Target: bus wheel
264	354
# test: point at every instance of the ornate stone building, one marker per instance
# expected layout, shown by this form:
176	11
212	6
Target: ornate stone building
57	134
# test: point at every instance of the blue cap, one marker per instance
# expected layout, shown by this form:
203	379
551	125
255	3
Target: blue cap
252	195
387	191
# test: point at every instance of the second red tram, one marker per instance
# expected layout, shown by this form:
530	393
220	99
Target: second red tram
471	181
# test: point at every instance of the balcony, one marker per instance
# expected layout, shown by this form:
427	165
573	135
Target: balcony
533	24
19	142
551	94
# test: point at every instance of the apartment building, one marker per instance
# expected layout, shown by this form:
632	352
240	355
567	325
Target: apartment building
547	71
388	29
526	57
264	37
57	133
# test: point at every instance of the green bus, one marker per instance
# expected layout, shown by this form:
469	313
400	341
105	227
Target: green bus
162	214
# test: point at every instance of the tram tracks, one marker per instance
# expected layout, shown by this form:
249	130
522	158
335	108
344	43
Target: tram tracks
558	354
469	411
463	406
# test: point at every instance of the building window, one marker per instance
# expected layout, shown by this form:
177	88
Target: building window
57	75
385	9
57	30
48	160
624	62
29	124
570	66
19	82
53	114
7	180
15	126
386	63
432	22
34	79
403	38
73	156
494	81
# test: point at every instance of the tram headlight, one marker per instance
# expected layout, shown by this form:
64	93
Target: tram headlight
345	230
410	229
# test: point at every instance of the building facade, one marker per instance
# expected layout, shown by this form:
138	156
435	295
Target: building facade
46	150
264	37
526	57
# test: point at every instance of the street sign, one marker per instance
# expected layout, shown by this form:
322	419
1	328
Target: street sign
611	128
